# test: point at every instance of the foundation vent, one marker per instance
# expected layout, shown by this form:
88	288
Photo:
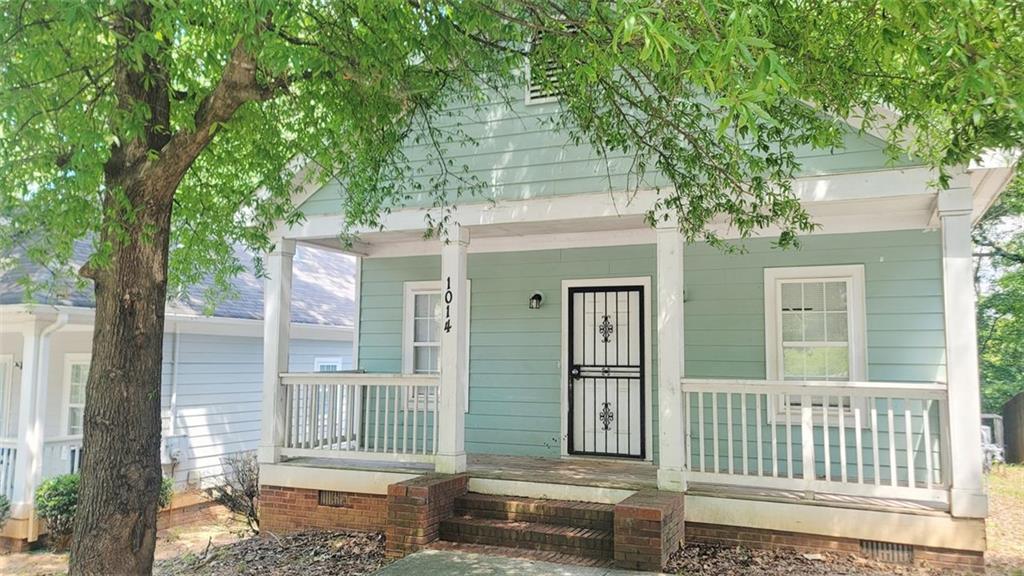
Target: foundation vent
887	552
333	499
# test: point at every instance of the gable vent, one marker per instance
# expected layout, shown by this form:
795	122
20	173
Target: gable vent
542	83
887	552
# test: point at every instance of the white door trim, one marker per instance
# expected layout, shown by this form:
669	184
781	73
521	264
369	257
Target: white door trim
645	283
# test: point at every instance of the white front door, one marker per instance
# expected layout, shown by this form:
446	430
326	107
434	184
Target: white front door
606	371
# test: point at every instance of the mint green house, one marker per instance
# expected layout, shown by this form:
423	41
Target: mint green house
558	347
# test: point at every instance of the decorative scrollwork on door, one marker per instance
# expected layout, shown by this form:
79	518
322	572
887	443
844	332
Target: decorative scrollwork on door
606	416
606	329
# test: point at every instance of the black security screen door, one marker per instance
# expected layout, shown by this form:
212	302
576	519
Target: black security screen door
606	371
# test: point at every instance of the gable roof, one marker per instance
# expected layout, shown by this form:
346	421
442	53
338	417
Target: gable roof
323	288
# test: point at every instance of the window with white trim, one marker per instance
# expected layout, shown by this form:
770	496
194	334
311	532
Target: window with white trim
814	324
422	324
76	373
331	364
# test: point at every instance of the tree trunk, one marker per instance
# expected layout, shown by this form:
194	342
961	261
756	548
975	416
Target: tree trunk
115	525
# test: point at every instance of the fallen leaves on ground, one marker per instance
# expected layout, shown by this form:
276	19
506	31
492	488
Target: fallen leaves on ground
708	560
311	553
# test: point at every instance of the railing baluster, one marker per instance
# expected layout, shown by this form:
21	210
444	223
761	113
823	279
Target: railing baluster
775	438
728	429
842	436
701	434
687	446
926	412
757	420
908	425
826	437
893	475
874	442
437	401
788	411
394	424
405	419
807	441
376	418
714	433
415	412
858	429
744	435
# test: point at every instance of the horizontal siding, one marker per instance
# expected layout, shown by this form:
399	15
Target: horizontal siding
903	293
515	377
515	398
514	151
219	395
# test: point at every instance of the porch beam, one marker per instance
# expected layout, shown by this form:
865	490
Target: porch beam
451	451
671	420
967	492
276	335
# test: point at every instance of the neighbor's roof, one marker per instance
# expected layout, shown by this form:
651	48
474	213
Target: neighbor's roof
323	288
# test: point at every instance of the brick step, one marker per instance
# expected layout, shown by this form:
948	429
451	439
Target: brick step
585	542
560	512
539	555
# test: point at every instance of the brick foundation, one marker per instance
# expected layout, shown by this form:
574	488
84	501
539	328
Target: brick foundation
15	545
760	538
199	512
284	510
416	508
648	529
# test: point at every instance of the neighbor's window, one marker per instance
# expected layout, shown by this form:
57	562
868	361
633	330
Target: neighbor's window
331	364
76	372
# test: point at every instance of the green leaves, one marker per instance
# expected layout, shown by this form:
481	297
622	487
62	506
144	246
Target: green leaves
707	101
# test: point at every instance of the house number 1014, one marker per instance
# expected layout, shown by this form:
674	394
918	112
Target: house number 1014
449	296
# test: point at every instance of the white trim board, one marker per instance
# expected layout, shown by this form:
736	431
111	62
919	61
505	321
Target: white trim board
312	478
645	283
932	530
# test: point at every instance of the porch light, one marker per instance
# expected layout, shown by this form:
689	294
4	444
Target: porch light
535	300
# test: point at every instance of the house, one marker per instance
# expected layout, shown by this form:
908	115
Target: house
211	388
560	363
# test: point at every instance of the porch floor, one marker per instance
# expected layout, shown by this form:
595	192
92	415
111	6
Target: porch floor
617	474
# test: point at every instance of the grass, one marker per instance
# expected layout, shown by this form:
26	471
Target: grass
1005	527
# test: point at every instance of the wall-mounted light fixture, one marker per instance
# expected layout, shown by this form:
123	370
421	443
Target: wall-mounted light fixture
535	299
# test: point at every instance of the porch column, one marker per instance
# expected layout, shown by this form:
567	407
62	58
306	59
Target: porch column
967	493
451	450
671	420
277	300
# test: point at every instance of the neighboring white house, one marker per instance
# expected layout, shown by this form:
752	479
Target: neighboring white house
212	371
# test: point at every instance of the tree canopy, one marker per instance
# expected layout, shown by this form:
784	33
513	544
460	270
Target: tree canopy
714	95
999	249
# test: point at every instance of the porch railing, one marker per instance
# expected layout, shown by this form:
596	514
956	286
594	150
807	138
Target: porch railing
8	456
361	416
886	440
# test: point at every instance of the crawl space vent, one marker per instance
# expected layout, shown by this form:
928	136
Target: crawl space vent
887	552
332	499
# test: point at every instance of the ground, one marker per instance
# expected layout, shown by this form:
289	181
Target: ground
219	549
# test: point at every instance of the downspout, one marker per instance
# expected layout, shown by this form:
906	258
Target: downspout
175	345
35	471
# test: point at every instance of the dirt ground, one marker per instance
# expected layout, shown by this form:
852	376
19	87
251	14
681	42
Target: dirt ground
221	548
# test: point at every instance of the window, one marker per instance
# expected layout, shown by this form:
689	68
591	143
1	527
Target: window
814	324
331	364
76	373
422	324
8	429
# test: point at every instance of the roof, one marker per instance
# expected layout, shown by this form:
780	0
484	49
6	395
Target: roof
323	288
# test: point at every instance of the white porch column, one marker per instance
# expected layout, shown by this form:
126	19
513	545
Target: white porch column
30	427
967	494
671	420
277	300
451	451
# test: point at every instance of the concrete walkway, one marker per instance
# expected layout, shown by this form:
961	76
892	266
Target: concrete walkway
429	562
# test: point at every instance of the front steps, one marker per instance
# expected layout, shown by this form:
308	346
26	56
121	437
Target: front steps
547	529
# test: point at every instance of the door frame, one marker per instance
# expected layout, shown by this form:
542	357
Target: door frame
645	284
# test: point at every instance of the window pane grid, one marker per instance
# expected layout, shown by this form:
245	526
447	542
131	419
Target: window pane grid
814	330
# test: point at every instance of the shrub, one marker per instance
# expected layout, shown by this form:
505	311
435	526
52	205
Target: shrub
239	491
56	502
166	492
5	510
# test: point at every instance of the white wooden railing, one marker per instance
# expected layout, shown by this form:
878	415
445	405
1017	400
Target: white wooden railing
361	416
888	440
8	456
62	456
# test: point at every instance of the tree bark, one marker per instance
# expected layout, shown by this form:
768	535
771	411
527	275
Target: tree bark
115	526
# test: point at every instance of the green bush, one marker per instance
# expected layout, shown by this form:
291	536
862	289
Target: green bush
56	502
166	491
5	510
